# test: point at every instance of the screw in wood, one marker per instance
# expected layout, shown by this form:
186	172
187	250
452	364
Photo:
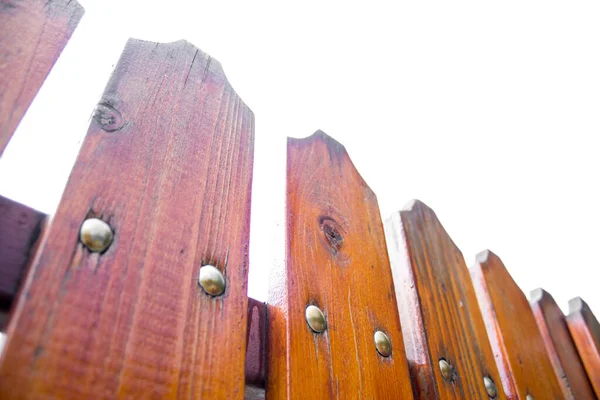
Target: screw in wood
382	344
490	387
96	235
315	319
211	280
446	369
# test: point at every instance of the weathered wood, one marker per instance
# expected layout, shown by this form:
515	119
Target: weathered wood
560	347
167	162
20	228
519	350
585	331
336	259
438	308
32	35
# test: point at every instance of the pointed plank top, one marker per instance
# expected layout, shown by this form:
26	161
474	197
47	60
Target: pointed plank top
438	308
336	259
167	163
585	330
517	343
336	152
561	349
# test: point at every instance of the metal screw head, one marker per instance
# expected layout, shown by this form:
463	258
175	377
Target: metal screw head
211	280
315	319
529	397
95	234
490	387
382	344
445	369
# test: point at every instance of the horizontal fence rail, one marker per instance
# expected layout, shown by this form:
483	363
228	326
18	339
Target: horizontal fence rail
137	286
20	229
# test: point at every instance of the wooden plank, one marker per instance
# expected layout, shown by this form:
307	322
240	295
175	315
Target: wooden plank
20	228
563	354
167	162
33	33
524	366
438	309
585	331
336	259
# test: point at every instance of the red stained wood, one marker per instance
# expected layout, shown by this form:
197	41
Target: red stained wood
167	162
20	228
32	35
560	347
585	330
438	308
524	365
336	259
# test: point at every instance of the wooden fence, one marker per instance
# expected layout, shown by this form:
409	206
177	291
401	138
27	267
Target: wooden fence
137	286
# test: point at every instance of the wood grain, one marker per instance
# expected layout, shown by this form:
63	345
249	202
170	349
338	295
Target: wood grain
585	331
563	354
524	365
336	259
33	33
20	228
167	162
438	308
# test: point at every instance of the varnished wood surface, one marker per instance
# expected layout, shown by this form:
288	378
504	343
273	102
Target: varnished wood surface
336	259
585	330
20	228
438	308
32	35
560	347
519	350
167	162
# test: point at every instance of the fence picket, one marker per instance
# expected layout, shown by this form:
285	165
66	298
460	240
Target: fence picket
167	163
336	259
585	330
438	309
32	35
524	366
560	347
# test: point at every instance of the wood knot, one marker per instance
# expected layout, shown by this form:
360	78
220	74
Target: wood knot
331	232
108	117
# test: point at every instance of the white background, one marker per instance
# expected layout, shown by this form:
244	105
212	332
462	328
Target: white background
486	111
